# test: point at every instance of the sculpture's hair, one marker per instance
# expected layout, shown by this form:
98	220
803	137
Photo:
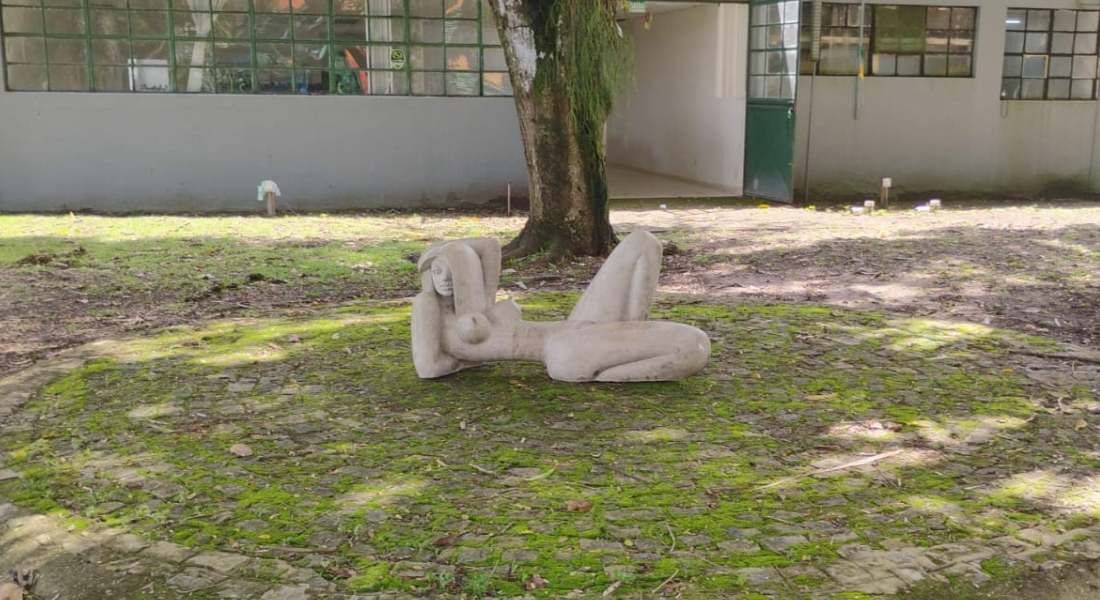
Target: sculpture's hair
475	271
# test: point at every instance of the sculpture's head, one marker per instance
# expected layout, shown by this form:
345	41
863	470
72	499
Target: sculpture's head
442	278
436	273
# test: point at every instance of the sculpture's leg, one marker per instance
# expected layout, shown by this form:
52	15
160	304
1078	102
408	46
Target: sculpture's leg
627	351
623	288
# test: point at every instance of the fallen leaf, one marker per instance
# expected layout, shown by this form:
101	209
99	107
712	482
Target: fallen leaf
535	582
447	540
240	450
1080	424
578	505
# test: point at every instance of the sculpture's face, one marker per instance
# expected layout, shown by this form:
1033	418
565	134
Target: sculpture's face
442	278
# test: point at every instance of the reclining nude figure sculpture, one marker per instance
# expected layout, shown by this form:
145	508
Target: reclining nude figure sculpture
457	322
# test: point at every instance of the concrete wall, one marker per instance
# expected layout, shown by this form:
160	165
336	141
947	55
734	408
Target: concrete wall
136	152
685	115
937	134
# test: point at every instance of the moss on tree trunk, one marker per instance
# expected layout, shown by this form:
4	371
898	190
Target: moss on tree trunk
567	59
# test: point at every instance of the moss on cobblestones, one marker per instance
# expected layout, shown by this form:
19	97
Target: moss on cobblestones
470	484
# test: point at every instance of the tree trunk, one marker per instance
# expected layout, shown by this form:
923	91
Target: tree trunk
565	156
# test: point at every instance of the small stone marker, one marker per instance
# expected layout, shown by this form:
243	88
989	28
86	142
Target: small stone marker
241	450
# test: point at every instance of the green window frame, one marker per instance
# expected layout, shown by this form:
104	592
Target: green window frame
304	47
1050	54
898	40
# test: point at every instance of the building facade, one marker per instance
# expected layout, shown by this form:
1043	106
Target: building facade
185	105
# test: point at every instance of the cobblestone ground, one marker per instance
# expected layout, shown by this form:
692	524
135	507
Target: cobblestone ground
824	453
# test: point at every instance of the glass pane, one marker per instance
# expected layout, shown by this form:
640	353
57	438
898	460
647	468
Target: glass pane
425	8
112	79
1032	89
1084	67
385	83
68	78
884	64
489	33
191	25
149	23
387	30
1058	89
273	55
195	80
1010	89
494	60
162	4
302	7
310	27
939	17
461	32
236	54
496	84
959	65
1037	43
350	28
1087	20
24	50
280	6
273	27
1062	43
936	42
463	84
427	84
461	9
349	7
1013	66
909	65
233	81
935	65
1081	89
150	53
962	19
194	54
1016	19
840	52
64	20
71	51
1061	66
274	81
1085	44
463	59
1065	20
310	55
1014	42
26	77
311	82
962	42
22	20
234	26
426	31
427	57
110	52
1035	66
756	87
110	22
1038	20
195	5
787	86
773	87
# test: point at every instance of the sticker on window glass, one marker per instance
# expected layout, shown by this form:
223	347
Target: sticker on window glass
397	58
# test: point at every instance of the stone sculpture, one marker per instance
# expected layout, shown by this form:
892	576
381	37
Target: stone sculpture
457	323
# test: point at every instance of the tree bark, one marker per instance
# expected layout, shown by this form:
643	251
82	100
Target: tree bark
565	162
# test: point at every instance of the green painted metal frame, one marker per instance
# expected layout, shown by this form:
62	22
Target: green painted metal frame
331	42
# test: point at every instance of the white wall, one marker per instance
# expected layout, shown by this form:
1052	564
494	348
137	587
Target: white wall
939	134
160	152
685	115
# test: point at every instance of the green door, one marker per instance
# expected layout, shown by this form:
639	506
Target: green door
769	117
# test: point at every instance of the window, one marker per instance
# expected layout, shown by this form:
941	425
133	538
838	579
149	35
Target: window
773	51
362	47
1050	55
898	41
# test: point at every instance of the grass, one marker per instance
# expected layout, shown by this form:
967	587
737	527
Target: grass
465	484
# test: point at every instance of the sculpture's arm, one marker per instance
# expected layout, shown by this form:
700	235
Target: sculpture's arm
468	277
427	339
488	250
